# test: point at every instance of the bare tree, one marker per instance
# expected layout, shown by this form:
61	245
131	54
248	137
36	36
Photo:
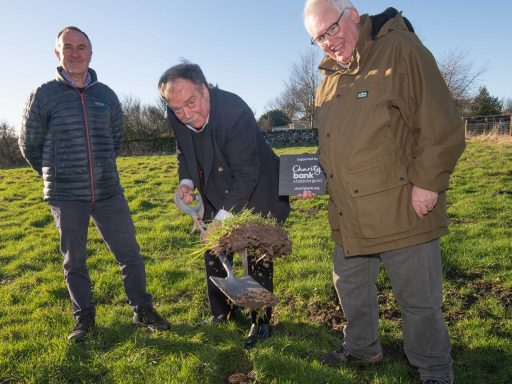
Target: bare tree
297	99
461	77
143	121
10	154
507	106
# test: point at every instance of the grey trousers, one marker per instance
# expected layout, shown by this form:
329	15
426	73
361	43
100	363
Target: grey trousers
113	220
416	278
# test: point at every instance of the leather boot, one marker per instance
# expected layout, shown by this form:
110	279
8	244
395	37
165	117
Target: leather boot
257	333
253	336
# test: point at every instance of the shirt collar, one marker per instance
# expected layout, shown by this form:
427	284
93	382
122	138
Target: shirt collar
202	128
73	83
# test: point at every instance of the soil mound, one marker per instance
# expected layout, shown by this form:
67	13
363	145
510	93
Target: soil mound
259	239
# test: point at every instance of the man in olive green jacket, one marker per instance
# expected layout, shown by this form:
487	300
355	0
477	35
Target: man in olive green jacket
389	137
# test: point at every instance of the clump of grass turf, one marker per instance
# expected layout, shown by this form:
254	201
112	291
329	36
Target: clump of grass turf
247	233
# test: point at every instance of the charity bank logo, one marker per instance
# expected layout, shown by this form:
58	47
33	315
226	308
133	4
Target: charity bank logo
300	172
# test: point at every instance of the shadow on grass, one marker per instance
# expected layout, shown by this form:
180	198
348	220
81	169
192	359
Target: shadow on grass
41	221
218	349
482	365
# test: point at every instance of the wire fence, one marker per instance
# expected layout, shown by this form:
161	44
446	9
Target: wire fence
485	125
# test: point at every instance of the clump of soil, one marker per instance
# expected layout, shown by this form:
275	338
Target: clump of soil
242	378
480	289
259	239
502	192
257	298
327	313
309	211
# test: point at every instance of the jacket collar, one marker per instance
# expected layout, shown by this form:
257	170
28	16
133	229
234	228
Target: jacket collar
59	76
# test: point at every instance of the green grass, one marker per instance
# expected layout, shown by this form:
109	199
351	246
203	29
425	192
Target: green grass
35	312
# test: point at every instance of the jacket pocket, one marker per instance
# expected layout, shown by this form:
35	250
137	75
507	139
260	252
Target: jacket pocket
382	200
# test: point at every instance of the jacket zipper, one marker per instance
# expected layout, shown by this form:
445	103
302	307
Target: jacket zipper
88	145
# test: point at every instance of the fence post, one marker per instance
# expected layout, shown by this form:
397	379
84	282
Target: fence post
465	127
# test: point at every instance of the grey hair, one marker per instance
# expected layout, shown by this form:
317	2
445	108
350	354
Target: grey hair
311	5
71	28
185	71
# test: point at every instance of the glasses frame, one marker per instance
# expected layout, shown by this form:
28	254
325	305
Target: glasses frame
333	29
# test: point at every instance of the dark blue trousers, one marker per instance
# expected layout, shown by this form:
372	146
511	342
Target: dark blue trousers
113	219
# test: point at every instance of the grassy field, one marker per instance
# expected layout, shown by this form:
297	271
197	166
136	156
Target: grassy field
35	312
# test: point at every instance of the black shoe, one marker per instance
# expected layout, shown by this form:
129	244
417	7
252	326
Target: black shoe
147	316
253	337
437	381
257	333
264	332
341	356
83	327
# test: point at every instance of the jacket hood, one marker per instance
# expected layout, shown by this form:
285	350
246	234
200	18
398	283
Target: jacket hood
378	21
371	28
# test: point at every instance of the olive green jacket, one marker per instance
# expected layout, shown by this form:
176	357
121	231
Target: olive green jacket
386	123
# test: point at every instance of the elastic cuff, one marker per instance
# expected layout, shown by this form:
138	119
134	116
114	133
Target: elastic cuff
187	182
222	215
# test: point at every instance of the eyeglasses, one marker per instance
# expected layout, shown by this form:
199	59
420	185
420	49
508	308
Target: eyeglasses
331	31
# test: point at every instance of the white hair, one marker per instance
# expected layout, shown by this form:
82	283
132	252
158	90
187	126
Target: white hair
311	5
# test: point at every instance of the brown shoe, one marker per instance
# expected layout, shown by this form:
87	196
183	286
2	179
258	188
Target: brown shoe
341	356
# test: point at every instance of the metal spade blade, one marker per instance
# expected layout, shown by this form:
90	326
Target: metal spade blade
245	292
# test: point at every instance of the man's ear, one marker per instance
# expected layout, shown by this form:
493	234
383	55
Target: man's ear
57	53
354	15
205	91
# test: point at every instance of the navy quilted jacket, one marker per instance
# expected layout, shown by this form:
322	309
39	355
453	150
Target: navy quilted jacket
71	137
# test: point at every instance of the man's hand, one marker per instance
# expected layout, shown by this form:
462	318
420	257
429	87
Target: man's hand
185	193
305	195
423	201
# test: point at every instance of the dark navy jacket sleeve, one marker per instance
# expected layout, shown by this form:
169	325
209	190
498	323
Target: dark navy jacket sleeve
33	131
117	126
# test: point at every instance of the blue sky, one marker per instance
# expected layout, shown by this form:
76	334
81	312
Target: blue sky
246	47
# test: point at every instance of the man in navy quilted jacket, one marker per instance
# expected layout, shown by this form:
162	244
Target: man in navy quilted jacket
71	134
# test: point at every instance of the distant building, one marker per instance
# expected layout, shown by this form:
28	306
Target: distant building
295	124
300	124
280	128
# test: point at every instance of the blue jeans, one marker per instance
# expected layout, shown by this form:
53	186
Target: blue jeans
113	220
415	273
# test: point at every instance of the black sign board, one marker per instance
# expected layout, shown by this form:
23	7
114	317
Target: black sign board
299	173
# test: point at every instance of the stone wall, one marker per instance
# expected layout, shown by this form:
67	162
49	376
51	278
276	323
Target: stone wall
292	137
163	145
